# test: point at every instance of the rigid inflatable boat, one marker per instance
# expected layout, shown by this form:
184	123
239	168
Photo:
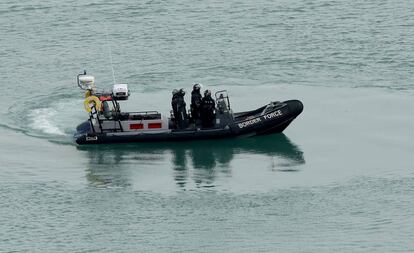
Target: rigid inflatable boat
108	124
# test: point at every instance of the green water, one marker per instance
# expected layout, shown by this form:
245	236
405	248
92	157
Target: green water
340	178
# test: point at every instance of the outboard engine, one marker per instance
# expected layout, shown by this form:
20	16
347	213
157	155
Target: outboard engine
120	92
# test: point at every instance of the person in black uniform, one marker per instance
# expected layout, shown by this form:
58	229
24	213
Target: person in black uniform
174	101
208	110
178	104
195	103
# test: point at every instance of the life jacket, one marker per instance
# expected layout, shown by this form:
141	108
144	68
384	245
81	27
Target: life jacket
196	99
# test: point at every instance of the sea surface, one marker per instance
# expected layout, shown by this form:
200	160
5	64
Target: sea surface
339	179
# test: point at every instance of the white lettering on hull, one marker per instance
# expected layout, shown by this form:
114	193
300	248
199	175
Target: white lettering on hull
269	116
249	122
91	138
273	114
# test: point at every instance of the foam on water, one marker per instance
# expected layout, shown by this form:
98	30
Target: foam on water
54	119
43	120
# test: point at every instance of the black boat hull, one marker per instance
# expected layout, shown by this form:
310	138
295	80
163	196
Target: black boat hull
258	122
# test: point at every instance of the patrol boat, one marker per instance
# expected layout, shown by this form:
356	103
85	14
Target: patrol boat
107	124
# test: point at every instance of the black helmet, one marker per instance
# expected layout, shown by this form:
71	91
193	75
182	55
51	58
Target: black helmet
207	93
197	87
181	92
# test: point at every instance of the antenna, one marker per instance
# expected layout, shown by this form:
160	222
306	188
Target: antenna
110	53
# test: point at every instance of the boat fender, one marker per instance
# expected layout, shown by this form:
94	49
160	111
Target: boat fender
90	102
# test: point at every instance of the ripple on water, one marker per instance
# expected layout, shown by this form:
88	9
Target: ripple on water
344	217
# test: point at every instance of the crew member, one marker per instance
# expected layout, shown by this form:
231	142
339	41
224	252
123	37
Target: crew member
208	110
195	102
179	110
